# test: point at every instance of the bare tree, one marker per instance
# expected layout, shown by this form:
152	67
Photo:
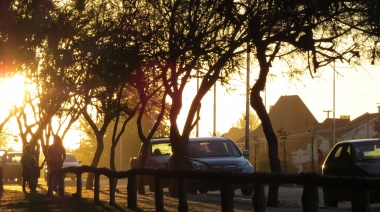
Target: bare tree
283	135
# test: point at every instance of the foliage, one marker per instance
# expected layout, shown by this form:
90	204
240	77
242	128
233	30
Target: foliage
110	60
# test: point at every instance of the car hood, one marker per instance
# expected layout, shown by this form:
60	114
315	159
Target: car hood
220	162
68	164
371	168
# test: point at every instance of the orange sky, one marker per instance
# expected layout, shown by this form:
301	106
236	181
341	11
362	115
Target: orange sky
356	92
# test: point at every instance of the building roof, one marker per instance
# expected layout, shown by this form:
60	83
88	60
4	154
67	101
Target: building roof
291	115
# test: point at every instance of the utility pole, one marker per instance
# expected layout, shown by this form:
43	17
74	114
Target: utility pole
328	113
214	130
247	98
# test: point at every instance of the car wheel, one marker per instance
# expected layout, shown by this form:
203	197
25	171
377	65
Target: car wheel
247	190
151	185
329	199
203	190
191	190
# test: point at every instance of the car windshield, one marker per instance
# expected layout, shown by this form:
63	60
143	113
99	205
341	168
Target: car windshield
367	151
213	148
161	149
70	158
13	158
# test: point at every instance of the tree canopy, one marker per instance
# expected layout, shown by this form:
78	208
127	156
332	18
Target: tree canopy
106	61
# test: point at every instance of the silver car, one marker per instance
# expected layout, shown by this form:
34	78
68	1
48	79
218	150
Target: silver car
158	157
70	160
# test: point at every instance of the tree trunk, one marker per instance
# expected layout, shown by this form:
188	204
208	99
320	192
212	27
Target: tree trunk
257	104
178	160
144	151
95	161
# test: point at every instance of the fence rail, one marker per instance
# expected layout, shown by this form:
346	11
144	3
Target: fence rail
310	182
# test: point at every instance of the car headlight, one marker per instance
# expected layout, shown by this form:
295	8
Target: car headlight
245	166
198	166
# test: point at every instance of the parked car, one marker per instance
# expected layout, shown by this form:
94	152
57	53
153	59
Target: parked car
70	160
158	157
352	158
11	163
216	153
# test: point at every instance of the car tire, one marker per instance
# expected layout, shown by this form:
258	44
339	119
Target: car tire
150	182
329	199
247	190
203	190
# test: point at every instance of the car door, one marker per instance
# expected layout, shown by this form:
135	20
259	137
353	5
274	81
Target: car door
339	162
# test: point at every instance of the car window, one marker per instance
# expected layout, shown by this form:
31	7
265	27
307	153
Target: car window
70	158
13	158
340	154
161	149
216	148
367	151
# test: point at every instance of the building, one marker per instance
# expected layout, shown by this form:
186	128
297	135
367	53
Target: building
305	134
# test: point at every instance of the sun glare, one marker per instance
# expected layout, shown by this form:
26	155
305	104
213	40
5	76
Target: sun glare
11	92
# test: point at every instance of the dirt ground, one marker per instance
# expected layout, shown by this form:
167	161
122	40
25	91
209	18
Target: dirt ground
14	199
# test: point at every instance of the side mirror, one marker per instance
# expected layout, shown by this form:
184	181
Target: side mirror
245	153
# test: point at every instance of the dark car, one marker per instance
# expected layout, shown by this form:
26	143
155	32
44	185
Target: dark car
158	157
213	154
352	158
11	163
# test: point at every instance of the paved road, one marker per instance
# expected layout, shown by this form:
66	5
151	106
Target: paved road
289	199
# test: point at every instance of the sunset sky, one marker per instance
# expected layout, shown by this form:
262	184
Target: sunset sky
356	92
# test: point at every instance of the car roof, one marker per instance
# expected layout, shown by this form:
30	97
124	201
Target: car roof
197	139
193	139
158	140
355	141
14	153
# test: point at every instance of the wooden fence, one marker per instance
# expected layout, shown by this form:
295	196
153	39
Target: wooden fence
310	182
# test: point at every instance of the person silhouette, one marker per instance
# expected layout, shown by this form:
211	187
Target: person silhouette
321	160
28	162
55	156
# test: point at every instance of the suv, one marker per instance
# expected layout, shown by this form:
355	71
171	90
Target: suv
158	157
216	153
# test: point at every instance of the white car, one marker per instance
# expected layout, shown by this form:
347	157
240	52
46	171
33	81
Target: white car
70	160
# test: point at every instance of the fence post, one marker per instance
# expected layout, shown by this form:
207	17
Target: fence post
1	181
132	191
159	193
310	198
112	190
78	194
182	196
227	194
258	198
360	202
96	187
